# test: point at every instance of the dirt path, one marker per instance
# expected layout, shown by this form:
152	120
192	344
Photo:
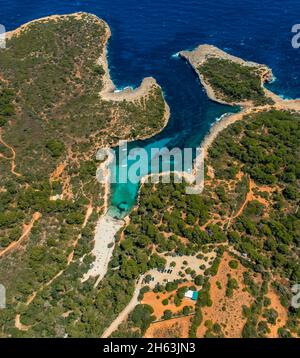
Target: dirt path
18	323
227	221
124	314
249	197
88	213
26	231
13	158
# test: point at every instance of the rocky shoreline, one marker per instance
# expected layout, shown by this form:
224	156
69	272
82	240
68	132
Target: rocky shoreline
107	226
200	54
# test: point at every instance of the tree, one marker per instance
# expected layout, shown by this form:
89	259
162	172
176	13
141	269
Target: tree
199	279
142	317
167	314
186	310
171	286
233	264
56	147
271	315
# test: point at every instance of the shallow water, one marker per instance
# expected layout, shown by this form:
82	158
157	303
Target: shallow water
147	33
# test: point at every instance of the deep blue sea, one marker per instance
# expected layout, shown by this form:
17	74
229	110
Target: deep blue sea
145	35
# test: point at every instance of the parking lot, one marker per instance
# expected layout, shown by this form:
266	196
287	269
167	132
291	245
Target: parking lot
171	273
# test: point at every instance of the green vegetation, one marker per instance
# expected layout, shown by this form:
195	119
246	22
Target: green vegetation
7	109
231	286
142	316
55	147
214	330
266	243
52	116
267	150
233	264
234	82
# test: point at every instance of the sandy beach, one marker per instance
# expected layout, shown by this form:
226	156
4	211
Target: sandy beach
107	226
106	229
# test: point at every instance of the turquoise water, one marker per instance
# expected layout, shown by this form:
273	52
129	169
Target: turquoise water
123	195
147	33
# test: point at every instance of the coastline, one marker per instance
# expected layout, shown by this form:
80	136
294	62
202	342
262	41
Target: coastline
23	27
218	126
109	91
227	120
199	55
107	226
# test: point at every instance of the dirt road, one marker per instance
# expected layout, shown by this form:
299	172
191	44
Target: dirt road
124	314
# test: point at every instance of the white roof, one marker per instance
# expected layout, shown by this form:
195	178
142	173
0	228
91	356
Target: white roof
189	294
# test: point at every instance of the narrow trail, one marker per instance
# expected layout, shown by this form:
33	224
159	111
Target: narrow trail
57	172
132	95
88	213
18	323
226	222
20	326
124	314
249	197
13	158
26	231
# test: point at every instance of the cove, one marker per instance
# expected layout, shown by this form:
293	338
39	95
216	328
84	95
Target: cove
182	131
146	35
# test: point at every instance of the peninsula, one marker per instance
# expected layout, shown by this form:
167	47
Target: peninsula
216	264
236	244
58	107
